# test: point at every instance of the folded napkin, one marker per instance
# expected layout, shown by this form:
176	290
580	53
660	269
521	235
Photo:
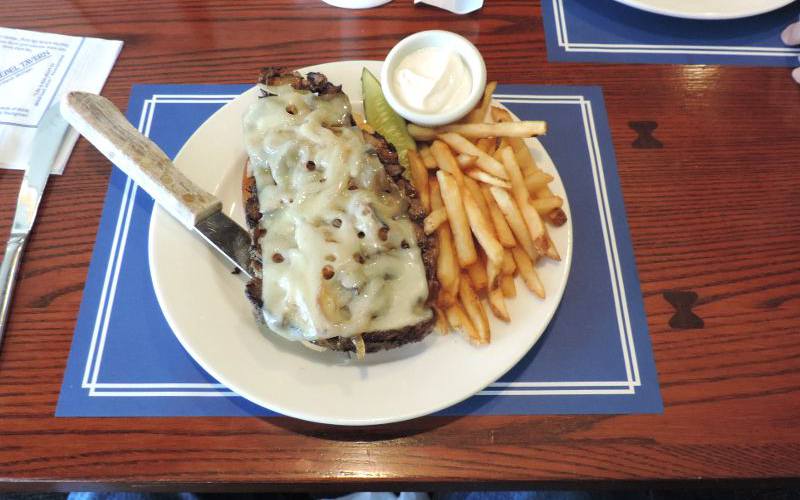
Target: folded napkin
456	6
35	70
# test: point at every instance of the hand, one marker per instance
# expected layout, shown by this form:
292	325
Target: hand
791	36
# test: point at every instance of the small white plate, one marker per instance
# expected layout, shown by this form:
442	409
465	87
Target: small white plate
708	9
356	4
205	306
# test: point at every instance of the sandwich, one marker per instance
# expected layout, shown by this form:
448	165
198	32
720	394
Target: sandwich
339	258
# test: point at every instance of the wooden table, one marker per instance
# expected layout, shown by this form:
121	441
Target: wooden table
716	211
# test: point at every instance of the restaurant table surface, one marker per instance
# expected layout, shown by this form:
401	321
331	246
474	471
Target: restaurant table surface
715	211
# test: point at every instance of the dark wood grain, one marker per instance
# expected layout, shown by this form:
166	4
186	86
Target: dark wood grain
715	211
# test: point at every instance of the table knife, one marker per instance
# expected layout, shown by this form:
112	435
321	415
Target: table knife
46	143
103	125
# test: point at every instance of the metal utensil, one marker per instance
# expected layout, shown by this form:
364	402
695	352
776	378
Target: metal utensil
97	119
46	143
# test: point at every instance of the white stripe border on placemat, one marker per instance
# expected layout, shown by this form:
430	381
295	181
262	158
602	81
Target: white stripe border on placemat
724	50
179	389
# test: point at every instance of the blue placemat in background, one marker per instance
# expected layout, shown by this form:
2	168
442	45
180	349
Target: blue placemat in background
595	356
608	31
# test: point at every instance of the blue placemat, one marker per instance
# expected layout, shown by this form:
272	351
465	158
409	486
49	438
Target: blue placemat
608	31
594	358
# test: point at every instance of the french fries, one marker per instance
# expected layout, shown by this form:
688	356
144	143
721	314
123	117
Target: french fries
460	321
488	206
434	219
482	230
478	130
546	205
441	321
477	115
537	181
528	273
446	263
532	220
456	215
427	158
497	303
474	310
446	161
514	219
477	273
419	178
466	161
487	178
482	160
508	287
504	233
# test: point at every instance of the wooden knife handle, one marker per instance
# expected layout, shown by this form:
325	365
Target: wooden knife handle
97	119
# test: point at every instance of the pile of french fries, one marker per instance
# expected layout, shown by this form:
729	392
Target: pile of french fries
490	207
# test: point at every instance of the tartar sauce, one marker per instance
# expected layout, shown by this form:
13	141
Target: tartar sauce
432	80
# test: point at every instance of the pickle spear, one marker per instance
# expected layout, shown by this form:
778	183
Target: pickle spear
383	118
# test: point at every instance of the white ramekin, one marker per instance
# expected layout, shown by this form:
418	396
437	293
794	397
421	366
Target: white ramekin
435	38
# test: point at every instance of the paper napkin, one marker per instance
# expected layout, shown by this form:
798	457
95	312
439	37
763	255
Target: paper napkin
35	70
456	6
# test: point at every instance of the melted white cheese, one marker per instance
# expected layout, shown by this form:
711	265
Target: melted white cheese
328	204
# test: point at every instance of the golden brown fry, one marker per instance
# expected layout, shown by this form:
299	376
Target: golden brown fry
552	251
478	130
466	161
503	232
484	232
508	287
459	320
497	303
434	219
474	309
557	217
457	218
536	180
543	192
477	274
419	178
483	161
532	219
482	176
427	157
441	321
500	115
475	190
446	161
498	156
518	189
446	264
478	114
487	144
453	318
514	218
524	157
509	266
446	298
546	205
529	275
521	151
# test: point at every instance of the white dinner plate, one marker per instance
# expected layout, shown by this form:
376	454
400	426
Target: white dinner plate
708	9
205	306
